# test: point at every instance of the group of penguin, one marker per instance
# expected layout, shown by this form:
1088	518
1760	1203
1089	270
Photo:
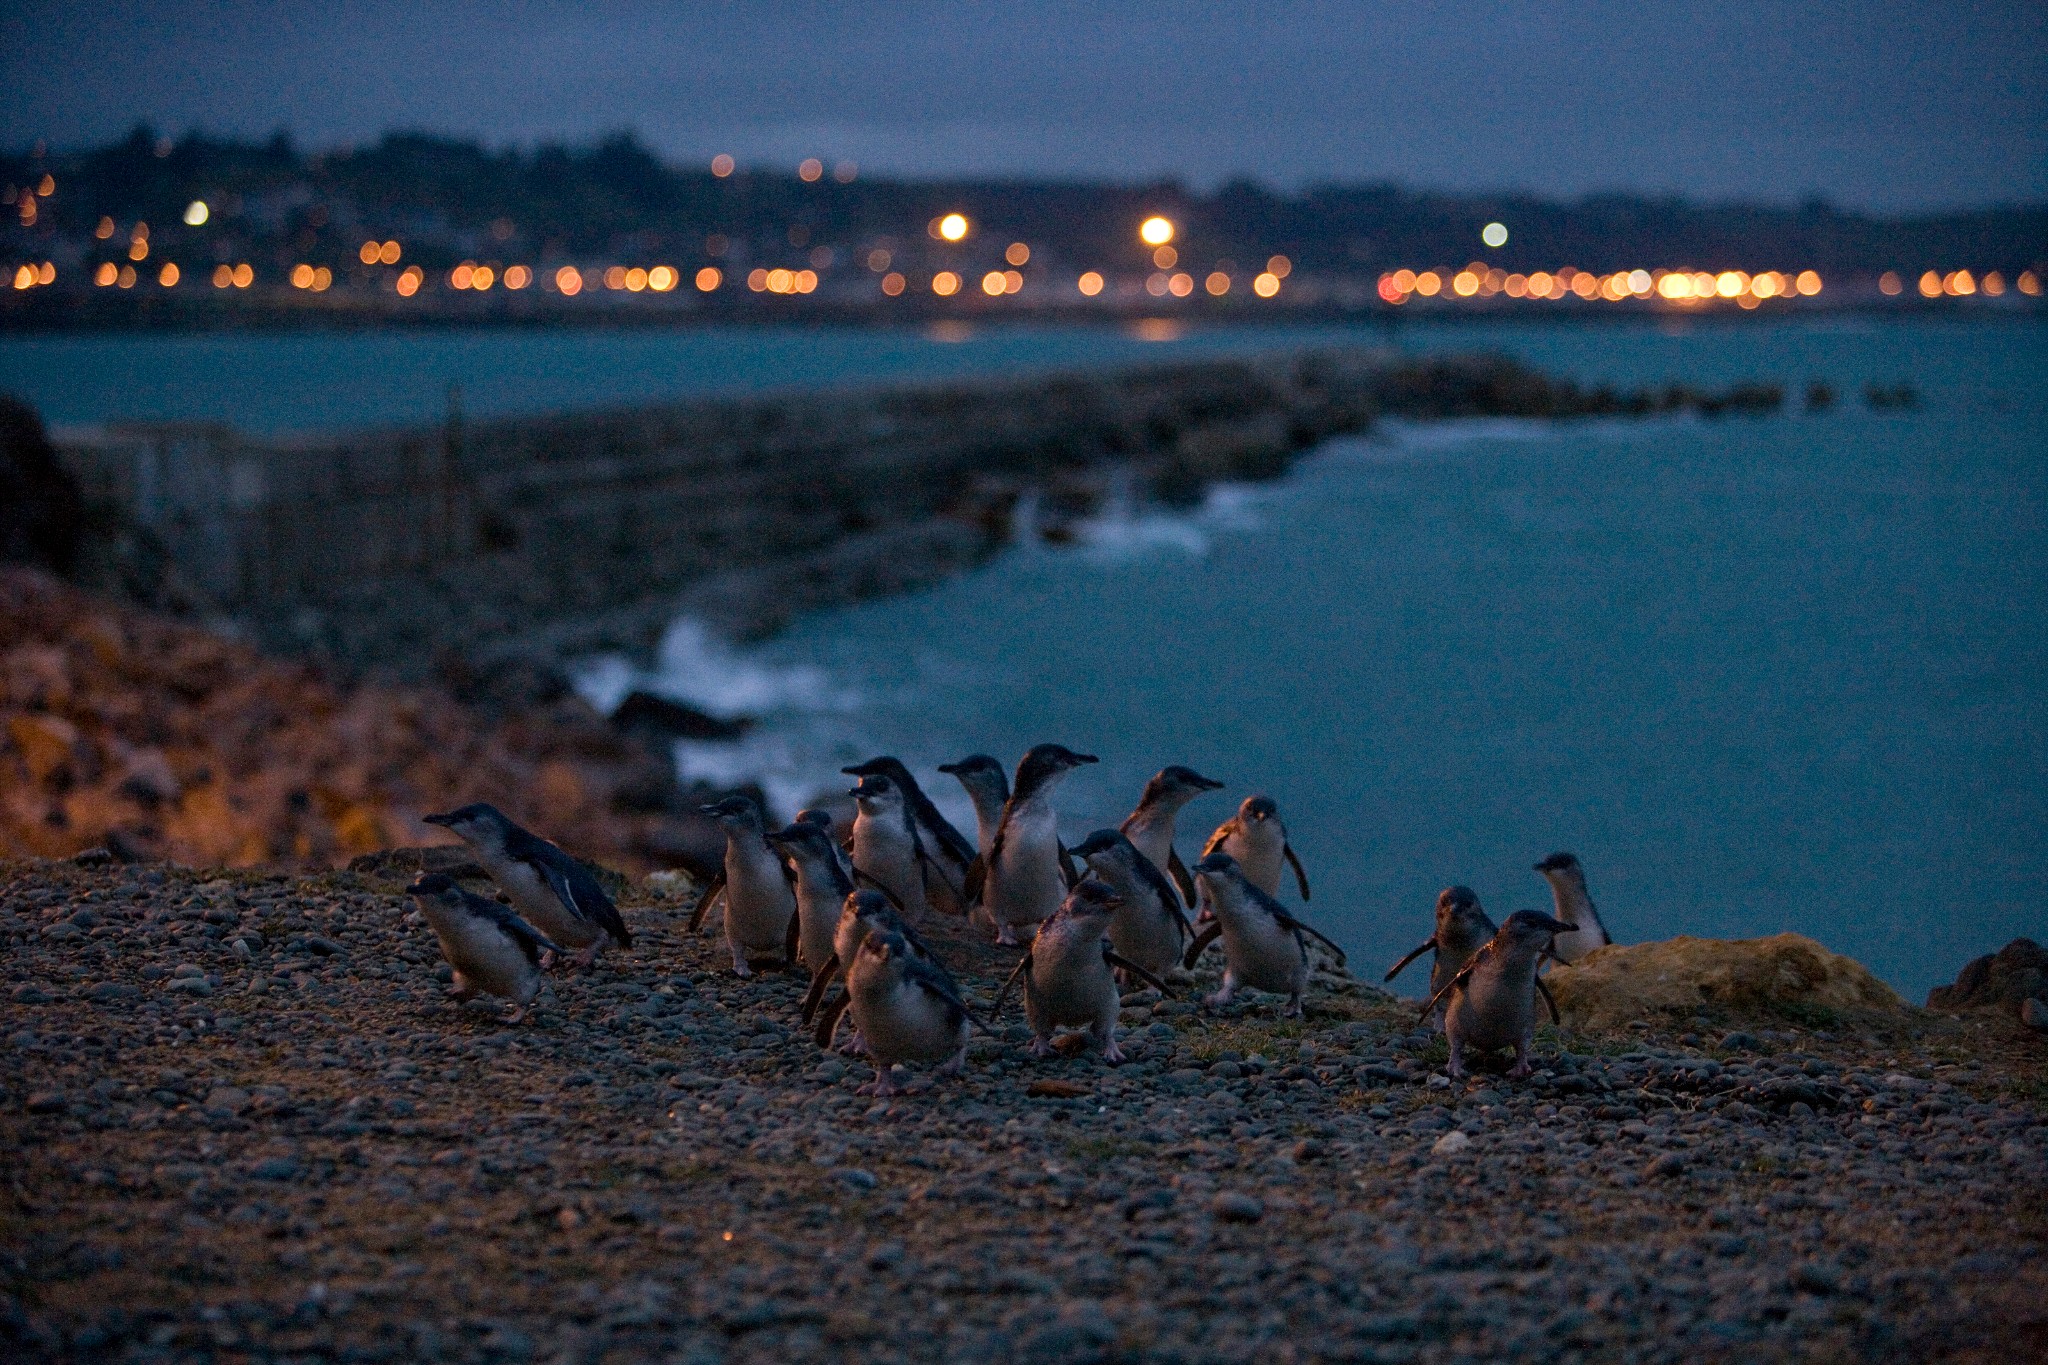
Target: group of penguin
847	913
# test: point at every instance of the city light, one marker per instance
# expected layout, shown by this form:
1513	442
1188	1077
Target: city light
168	276
810	169
1889	283
709	279
302	277
517	277
945	284
1017	253
1266	285
389	253
1217	284
2029	284
367	254
992	284
1494	234
878	260
846	172
223	277
952	227
196	213
1165	258
569	281
105	229
1155	231
245	275
894	283
412	277
1279	267
1090	283
721	165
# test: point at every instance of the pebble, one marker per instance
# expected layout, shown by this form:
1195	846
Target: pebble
1233	1206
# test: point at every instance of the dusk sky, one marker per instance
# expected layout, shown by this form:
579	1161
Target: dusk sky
1883	105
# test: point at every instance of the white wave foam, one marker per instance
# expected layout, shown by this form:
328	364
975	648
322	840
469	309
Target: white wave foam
693	665
1125	530
1409	434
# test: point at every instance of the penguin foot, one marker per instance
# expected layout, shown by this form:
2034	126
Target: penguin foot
1218	1000
547	959
586	959
882	1086
954	1065
739	965
1293	1009
1039	1046
1112	1054
517	1014
855	1045
1006	937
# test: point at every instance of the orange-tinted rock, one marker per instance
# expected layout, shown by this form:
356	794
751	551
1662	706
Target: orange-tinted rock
1610	987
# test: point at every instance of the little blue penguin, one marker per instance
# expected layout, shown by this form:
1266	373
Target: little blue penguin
988	787
1150	826
552	890
1024	876
1574	906
1264	947
1257	839
1069	972
906	1010
1150	928
865	912
759	902
1462	927
823	820
1491	1002
822	886
945	848
888	851
490	948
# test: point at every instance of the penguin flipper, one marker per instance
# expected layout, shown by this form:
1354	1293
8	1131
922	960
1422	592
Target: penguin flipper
532	942
1324	939
704	899
1202	941
819	984
1551	1001
1068	873
1428	946
1464	975
1122	963
1022	968
1221	836
579	891
977	874
1182	878
863	877
1300	877
828	1024
789	937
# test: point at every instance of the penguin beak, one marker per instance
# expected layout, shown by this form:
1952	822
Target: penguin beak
1206	784
445	821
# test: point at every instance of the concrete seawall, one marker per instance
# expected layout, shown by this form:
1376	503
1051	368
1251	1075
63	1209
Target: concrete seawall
400	550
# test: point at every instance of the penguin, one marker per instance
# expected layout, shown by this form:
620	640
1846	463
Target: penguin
1069	972
1264	947
1568	889
988	787
1025	877
864	912
1257	839
1150	826
945	847
491	949
823	820
759	901
1462	929
823	883
888	850
552	890
905	1010
1150	928
1491	1002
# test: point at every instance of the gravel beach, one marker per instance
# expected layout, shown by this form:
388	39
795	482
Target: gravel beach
241	1122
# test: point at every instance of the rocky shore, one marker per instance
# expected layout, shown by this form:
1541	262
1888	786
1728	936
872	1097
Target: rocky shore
243	1124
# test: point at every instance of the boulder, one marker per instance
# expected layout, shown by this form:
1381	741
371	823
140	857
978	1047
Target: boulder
1617	984
2004	980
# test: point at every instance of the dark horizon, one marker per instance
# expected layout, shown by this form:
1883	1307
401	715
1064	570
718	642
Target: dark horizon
1888	108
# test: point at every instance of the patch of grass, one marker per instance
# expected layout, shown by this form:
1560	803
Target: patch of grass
1104	1148
1270	1038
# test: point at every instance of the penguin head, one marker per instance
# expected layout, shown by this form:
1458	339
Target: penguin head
872	908
1533	927
1092	899
877	793
1258	809
1218	864
1044	764
882	765
735	812
821	818
479	820
433	886
980	773
1563	864
1102	841
804	837
1177	782
884	946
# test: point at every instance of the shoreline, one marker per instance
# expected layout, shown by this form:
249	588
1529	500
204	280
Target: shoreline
309	1154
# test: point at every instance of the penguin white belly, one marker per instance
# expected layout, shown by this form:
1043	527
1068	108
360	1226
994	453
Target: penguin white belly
1583	940
758	905
1259	852
539	906
1154	839
1264	957
1025	885
817	927
1069	985
889	857
902	1023
1493	1010
485	958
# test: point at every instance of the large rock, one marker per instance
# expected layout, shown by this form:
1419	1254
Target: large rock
1616	984
42	515
2004	980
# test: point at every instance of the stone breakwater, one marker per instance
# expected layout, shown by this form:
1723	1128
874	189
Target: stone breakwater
402	550
243	1124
